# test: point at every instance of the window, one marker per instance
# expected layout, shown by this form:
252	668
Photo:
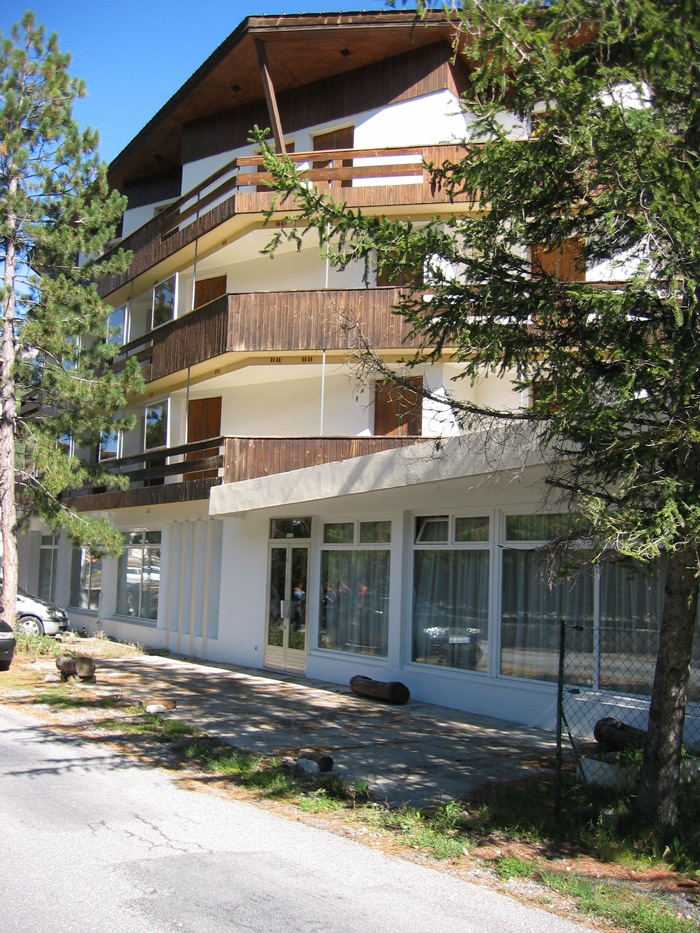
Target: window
110	445
117	333
290	528
48	554
85	580
451	591
139	575
355	560
164	301
155	425
533	606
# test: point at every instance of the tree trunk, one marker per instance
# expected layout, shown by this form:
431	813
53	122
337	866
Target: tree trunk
660	775
8	512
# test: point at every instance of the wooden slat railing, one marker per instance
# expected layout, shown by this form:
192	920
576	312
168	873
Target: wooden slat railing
251	457
387	177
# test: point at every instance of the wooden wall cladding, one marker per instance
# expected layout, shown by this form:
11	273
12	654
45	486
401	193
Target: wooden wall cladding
403	77
161	186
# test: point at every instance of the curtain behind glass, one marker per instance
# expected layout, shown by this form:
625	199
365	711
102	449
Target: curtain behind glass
355	601
531	614
450	609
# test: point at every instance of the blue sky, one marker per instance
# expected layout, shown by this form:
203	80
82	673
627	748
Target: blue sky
134	54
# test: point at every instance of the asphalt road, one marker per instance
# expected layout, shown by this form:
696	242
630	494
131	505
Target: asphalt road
92	841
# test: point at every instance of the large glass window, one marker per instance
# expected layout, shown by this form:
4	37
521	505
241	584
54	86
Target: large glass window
631	603
139	575
533	608
164	298
48	554
354	612
451	591
86	579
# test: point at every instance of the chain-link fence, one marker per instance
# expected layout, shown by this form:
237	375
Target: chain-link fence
608	672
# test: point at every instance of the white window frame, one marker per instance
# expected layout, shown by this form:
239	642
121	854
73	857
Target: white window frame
175	277
153	404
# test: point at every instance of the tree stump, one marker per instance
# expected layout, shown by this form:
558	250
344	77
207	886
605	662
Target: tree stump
390	691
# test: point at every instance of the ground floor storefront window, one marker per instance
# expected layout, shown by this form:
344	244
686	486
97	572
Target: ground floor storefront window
85	580
48	554
139	575
354	599
451	566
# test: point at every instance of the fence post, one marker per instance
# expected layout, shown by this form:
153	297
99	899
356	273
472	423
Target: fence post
560	713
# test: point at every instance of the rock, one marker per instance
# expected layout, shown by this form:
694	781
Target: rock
159	705
307	766
324	762
65	663
53	677
85	669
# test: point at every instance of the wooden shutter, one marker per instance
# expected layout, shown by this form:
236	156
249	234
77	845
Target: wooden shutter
398	410
561	261
203	421
337	139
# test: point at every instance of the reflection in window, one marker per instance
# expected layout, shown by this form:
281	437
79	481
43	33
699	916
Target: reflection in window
290	528
139	575
48	555
86	579
155	425
451	567
354	611
117	326
163	308
109	445
533	608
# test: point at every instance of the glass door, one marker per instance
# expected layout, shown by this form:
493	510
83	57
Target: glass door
285	648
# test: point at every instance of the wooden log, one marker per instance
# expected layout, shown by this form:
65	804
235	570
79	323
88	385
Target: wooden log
614	735
324	762
391	691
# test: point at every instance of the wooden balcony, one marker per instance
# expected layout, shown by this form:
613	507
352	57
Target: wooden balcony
237	459
274	322
370	178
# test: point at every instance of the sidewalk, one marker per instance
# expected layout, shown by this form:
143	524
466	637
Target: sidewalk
415	754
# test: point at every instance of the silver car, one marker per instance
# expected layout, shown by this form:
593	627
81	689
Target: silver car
37	617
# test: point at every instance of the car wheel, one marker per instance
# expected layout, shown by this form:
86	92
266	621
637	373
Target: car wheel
31	625
5	665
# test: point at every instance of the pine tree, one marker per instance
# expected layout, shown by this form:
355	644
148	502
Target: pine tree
606	170
56	215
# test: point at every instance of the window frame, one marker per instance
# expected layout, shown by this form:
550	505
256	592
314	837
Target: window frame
175	279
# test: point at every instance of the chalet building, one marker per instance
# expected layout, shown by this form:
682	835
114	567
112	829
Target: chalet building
279	515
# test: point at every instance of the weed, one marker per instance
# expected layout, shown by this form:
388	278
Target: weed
625	909
511	867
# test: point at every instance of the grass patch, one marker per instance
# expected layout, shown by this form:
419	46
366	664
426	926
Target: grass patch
64	699
626	909
420	829
511	867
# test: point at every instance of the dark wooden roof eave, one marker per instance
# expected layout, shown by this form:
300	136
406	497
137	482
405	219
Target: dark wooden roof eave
235	62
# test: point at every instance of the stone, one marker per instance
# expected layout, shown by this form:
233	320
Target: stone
307	766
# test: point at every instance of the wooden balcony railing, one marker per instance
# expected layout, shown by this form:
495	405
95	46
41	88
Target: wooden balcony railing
250	457
369	178
274	322
238	458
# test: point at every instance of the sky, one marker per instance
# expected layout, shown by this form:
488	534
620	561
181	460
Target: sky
135	54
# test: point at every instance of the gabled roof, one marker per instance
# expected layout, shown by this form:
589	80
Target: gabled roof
300	49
